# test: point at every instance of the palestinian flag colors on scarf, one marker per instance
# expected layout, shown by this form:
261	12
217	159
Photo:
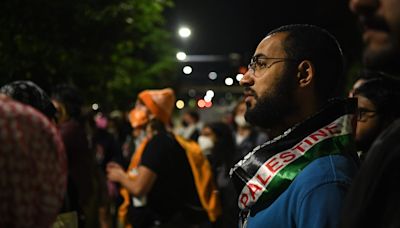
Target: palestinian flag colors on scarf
263	174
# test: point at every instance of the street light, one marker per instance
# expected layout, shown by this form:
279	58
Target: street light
212	75
228	81
181	56
187	70
184	32
239	77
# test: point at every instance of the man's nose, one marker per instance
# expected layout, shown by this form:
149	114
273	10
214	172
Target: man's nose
362	7
247	79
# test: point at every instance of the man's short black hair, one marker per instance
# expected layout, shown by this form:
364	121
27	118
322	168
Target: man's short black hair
309	42
384	93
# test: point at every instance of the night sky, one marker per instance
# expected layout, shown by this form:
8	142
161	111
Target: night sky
223	27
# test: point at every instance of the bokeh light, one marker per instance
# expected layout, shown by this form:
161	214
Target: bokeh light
228	81
187	70
212	75
239	77
184	32
95	106
181	56
180	104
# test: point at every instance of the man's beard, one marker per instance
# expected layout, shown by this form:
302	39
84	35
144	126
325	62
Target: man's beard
386	60
271	108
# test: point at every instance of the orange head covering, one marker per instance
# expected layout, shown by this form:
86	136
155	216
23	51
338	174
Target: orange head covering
159	102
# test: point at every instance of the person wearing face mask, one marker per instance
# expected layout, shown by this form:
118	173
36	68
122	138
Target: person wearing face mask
246	136
218	143
191	125
206	144
160	186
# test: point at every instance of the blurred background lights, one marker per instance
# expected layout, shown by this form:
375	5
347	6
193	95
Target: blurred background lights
228	81
201	103
207	98
192	92
95	107
228	96
129	20
210	93
184	32
192	103
208	104
181	56
180	104
239	77
212	75
187	70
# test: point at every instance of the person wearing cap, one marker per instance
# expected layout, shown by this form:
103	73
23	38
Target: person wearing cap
159	178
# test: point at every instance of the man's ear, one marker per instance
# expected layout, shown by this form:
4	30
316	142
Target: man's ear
305	73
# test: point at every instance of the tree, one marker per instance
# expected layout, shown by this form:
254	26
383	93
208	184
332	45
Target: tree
110	49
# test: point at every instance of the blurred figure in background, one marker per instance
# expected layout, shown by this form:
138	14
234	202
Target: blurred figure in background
33	168
119	127
191	125
373	199
160	183
83	185
380	21
363	76
106	149
218	140
31	94
378	106
246	136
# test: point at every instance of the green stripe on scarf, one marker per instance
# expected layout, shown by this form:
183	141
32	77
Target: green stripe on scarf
284	177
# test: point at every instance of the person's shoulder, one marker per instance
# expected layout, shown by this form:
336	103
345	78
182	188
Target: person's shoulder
72	129
390	134
163	140
331	169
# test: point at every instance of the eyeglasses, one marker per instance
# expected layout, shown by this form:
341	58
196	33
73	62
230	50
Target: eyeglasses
362	114
259	64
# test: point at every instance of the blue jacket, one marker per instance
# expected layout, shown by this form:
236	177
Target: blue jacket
313	199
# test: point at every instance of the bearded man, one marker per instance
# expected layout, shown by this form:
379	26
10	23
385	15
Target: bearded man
300	177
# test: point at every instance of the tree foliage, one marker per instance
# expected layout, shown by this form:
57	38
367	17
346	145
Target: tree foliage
110	49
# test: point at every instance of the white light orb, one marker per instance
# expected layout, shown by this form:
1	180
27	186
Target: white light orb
228	81
184	32
187	70
181	56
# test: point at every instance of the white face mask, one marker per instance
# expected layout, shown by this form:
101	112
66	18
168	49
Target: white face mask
241	121
139	139
205	143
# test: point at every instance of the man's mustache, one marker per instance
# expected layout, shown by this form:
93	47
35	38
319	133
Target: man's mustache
249	92
374	22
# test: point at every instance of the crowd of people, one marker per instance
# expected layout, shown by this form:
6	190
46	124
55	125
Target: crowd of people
298	151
